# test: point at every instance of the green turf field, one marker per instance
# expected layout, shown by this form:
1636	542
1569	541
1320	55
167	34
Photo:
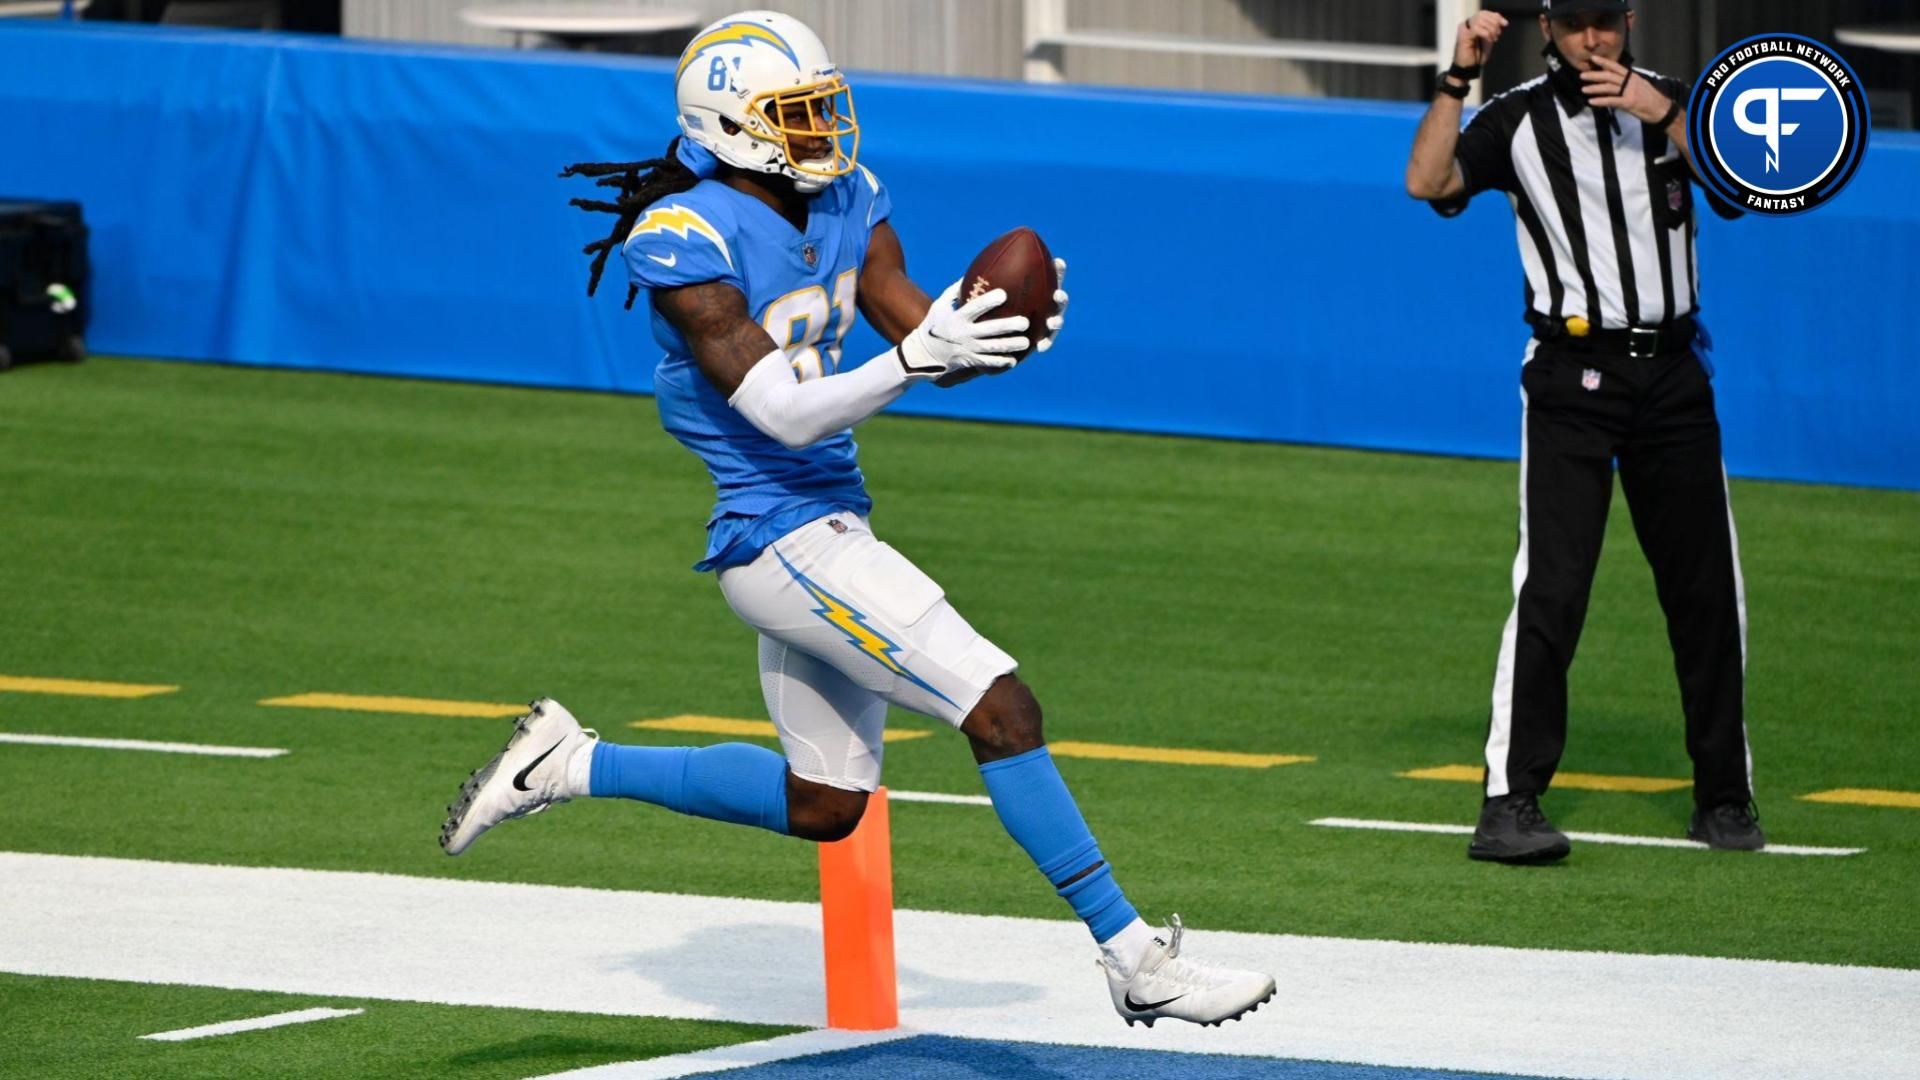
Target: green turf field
91	1028
246	534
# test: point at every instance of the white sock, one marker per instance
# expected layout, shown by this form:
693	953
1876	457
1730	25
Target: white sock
580	769
1124	950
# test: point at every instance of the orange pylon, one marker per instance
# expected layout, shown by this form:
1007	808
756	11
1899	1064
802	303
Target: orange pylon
856	913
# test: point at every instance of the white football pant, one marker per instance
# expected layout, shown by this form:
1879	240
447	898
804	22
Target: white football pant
848	625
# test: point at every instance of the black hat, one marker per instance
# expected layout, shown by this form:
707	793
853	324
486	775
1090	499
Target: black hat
1559	9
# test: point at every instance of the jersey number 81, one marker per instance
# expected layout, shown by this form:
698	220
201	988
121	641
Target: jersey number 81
798	320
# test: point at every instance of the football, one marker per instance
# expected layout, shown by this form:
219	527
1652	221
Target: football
1020	263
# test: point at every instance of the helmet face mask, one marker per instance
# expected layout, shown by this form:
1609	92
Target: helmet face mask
759	91
820	114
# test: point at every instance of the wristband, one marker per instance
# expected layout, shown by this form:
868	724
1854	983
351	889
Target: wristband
1458	93
1673	110
1464	74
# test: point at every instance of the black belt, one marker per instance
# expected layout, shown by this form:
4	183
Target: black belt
1640	341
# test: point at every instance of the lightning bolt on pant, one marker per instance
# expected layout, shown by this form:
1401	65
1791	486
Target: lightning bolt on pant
848	625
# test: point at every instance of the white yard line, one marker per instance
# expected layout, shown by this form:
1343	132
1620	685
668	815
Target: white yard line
937	797
141	744
1587	837
1538	1012
257	1023
737	1056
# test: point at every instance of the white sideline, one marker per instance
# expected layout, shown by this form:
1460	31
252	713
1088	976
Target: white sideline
737	1056
140	744
1539	1012
1588	837
257	1023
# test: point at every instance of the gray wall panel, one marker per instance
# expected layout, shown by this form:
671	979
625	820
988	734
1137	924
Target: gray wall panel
1385	22
982	38
951	37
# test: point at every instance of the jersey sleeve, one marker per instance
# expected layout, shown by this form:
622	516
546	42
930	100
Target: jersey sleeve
1485	153
871	200
674	243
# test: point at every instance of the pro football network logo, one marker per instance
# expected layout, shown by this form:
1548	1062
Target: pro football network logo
1778	124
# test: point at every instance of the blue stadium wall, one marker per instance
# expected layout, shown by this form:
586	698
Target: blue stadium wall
1247	268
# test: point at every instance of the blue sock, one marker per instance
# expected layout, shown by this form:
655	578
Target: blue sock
1040	815
735	782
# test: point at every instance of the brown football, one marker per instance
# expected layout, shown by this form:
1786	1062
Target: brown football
1020	263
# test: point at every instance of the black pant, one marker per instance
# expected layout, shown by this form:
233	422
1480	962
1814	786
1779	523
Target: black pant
1655	416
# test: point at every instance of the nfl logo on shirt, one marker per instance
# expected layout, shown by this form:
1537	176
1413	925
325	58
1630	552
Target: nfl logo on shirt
1590	379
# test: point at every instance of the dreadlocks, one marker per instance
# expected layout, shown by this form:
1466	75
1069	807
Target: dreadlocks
663	176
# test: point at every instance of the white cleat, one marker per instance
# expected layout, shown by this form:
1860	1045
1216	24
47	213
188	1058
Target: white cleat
1168	984
526	777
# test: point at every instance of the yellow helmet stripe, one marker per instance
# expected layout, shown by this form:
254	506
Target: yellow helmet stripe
727	33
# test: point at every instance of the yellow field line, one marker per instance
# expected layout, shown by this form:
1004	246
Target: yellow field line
721	725
1645	785
21	684
411	705
1173	756
1867	797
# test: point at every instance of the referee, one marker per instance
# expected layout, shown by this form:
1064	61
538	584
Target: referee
1593	156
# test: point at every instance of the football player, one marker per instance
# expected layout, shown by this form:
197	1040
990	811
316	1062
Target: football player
757	237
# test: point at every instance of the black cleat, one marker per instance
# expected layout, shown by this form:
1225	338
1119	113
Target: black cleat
1513	830
1728	826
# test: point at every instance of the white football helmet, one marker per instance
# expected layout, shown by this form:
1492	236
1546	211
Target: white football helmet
752	84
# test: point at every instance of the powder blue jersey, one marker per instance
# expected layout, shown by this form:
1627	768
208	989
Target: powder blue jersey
800	287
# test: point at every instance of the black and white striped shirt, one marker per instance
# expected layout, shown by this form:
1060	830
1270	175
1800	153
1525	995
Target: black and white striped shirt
1602	201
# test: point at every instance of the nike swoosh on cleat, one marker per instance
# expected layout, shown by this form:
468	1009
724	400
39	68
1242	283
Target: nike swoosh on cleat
1147	1006
520	778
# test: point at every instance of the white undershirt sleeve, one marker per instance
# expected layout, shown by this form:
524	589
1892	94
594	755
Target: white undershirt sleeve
797	414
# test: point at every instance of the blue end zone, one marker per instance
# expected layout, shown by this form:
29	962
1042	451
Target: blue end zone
940	1057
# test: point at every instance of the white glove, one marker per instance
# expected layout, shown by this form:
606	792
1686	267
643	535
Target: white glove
1059	316
951	341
